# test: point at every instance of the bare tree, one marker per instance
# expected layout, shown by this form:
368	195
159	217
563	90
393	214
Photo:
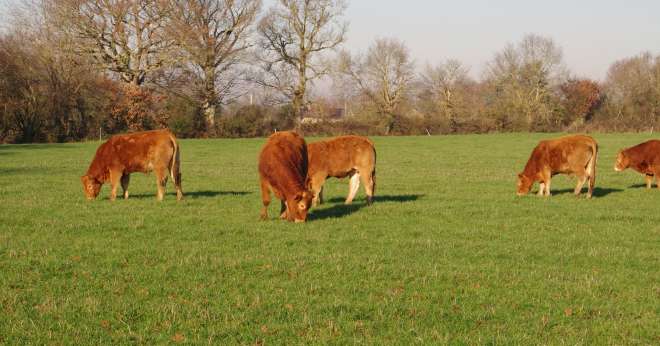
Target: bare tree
632	87
384	74
214	35
445	82
124	36
525	76
48	91
293	36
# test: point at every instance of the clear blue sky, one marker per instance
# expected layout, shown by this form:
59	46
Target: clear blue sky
592	33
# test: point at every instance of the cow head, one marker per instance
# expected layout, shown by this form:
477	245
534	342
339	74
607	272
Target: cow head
622	162
524	184
298	206
91	186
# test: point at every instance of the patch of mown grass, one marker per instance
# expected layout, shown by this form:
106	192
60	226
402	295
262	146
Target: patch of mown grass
447	254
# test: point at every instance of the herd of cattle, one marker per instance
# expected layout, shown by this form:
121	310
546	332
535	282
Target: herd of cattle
296	171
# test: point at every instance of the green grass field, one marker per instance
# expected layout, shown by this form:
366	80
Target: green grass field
448	254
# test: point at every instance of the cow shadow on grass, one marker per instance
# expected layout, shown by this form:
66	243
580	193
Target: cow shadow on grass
598	191
19	170
191	194
641	186
383	198
342	210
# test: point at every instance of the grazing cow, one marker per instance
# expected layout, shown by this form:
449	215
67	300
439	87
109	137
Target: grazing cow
566	155
345	156
143	152
644	158
283	169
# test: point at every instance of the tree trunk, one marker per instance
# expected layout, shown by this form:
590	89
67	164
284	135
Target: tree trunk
210	101
208	109
298	101
297	104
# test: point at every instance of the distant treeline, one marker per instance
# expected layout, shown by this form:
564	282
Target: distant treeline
71	70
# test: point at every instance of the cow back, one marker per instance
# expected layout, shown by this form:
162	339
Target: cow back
133	152
338	156
283	163
643	155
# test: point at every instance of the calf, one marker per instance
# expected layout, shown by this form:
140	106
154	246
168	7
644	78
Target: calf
566	155
122	155
283	169
345	156
644	158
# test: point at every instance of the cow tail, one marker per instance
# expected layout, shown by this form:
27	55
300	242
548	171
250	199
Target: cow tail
373	175
176	162
591	167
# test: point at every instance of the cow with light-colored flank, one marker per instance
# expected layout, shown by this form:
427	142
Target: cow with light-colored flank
283	169
344	156
121	155
573	155
643	158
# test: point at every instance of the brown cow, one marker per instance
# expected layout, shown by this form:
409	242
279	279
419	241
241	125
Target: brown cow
345	156
566	155
283	169
644	158
143	152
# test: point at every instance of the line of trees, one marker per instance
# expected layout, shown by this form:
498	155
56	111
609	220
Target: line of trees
69	68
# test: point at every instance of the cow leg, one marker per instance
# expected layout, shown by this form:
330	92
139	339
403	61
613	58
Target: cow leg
114	183
320	196
265	199
283	211
580	183
125	179
177	185
547	187
316	185
353	187
541	189
369	184
649	180
161	182
115	178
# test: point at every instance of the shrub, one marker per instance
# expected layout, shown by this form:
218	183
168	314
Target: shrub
248	121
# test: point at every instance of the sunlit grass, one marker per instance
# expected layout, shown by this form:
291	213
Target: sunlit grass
447	254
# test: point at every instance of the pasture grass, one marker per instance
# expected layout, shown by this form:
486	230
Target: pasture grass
448	254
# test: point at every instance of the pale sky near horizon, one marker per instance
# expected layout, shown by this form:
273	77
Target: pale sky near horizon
593	34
